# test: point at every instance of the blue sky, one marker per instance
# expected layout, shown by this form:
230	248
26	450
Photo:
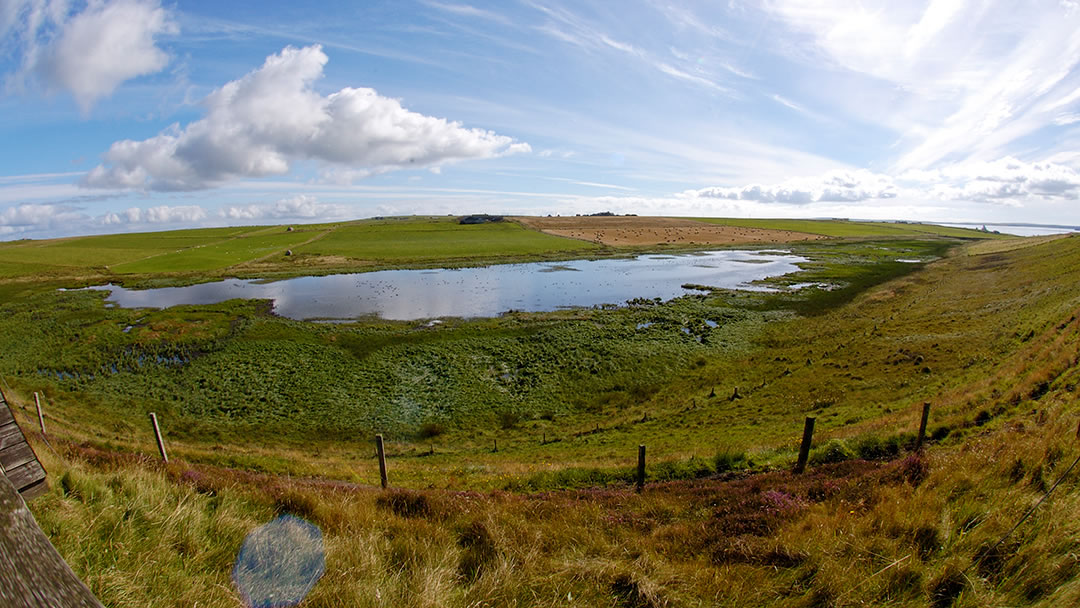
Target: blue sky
123	115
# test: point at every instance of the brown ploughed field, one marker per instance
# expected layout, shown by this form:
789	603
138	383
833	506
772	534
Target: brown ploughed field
634	230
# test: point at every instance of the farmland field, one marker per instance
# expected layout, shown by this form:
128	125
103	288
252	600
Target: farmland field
214	252
660	231
266	415
436	240
194	255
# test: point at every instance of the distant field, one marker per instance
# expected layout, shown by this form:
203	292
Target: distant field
214	250
219	255
638	231
342	247
843	228
51	256
436	238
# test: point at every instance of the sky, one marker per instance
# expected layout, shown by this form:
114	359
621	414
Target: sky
139	115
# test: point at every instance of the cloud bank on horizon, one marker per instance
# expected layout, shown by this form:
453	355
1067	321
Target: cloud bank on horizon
131	115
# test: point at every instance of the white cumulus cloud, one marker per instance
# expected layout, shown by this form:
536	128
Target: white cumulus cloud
89	52
160	214
261	124
50	219
302	206
28	217
833	186
1006	179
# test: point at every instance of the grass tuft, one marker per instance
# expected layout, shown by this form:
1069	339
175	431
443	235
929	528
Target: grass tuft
946	588
836	450
731	460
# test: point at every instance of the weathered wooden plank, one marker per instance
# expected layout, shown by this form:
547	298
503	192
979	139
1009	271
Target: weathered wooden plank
35	489
16	455
25	475
17	458
10	434
32	573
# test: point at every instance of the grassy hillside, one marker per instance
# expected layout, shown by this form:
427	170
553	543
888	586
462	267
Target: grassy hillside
202	254
990	337
586	385
213	252
438	239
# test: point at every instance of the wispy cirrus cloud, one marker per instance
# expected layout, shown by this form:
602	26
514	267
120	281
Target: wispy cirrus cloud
468	10
968	81
563	24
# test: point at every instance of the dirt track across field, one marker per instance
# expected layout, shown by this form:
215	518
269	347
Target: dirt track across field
633	230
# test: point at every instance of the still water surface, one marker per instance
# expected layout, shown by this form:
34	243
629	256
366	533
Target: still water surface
480	292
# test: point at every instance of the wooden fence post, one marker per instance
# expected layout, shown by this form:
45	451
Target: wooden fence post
40	415
382	460
640	467
157	435
922	426
804	449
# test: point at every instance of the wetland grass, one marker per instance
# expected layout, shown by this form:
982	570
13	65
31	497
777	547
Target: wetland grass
992	340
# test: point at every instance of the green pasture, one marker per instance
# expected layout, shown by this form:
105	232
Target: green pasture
218	251
216	256
21	258
438	239
340	247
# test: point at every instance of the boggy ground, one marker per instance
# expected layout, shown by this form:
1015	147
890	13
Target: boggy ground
565	391
890	529
637	231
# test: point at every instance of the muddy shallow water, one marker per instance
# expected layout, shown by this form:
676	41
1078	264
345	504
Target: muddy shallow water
480	292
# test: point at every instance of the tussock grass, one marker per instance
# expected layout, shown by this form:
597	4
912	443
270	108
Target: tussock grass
912	532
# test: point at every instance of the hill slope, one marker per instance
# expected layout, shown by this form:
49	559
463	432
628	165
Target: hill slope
999	331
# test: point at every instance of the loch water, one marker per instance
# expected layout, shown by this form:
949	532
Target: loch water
486	291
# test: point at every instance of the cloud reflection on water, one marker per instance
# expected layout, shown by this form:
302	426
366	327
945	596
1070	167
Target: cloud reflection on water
479	292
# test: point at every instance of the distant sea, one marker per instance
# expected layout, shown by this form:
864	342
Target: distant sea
1026	230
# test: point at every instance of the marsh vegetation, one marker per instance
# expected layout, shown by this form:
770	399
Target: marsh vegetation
266	415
